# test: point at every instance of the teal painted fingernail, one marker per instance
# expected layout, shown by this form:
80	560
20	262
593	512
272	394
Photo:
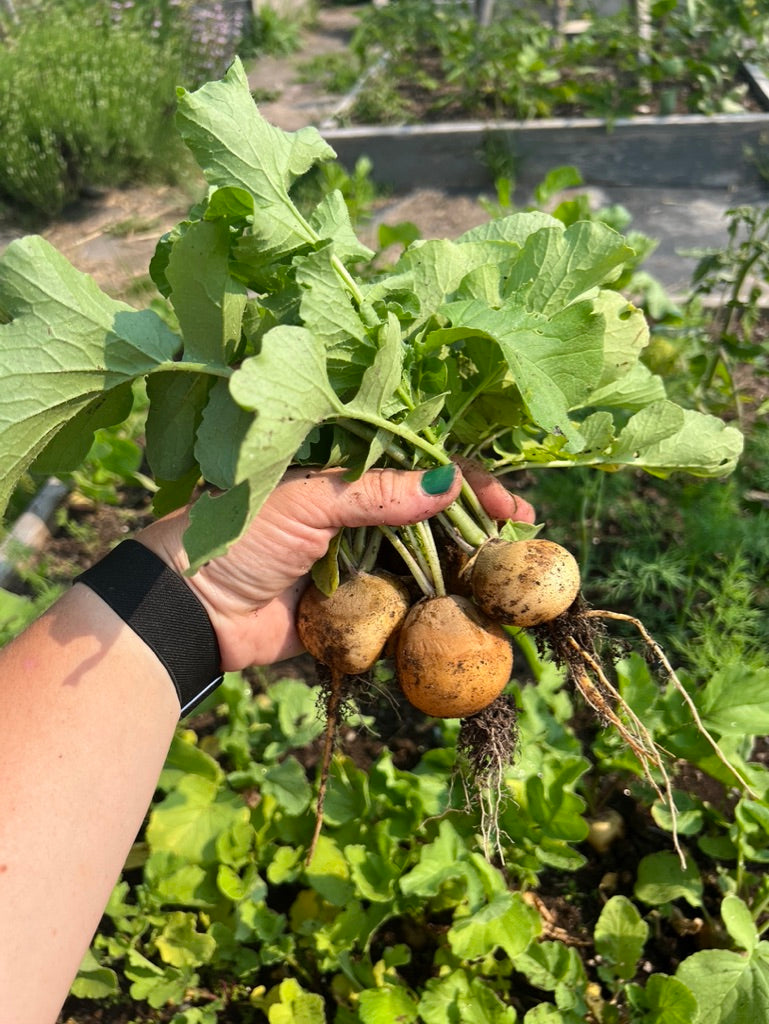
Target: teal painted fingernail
438	480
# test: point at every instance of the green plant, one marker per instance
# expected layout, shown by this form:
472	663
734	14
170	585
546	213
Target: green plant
376	885
511	344
221	864
130	226
691	66
91	123
104	117
334	72
400	913
445	62
688	558
439	60
378	101
112	464
274	33
646	290
734	275
18	610
356	188
533	451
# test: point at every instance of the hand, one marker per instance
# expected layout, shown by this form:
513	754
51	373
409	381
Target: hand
251	592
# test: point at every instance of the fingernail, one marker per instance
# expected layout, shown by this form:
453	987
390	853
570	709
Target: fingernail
438	480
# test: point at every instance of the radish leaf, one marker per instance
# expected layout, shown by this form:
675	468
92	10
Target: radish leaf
65	345
287	389
234	145
208	302
663	437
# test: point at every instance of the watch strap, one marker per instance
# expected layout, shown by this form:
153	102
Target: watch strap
161	609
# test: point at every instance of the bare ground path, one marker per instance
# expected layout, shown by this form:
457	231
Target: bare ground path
112	235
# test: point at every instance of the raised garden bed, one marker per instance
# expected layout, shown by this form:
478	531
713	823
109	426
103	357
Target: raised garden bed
426	111
681	151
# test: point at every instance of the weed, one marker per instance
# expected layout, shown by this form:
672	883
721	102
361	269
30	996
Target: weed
274	33
736	276
131	226
379	102
265	95
356	188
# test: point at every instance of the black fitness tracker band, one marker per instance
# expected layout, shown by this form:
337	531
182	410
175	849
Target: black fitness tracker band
160	608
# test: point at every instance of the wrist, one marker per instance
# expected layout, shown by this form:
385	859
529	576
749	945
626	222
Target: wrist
165	539
157	603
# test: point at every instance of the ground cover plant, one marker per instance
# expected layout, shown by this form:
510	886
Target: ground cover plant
418	62
511	345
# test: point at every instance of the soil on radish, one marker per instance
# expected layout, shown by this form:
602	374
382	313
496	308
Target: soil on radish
554	640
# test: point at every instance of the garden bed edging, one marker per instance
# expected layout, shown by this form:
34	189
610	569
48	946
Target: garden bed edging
686	151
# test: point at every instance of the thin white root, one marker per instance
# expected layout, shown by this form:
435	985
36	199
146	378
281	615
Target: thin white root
659	654
329	740
639	739
490	801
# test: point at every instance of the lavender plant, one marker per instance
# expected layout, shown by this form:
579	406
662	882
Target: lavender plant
206	36
105	117
215	31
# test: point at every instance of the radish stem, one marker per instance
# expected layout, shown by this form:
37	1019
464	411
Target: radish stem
426	542
416	570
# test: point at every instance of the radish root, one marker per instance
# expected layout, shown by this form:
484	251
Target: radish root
486	747
334	699
638	738
571	639
659	655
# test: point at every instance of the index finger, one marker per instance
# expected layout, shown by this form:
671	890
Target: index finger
498	502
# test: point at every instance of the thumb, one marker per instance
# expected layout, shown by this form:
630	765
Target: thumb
397	497
380	497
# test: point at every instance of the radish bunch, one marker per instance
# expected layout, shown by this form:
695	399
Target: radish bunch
453	651
452	654
453	657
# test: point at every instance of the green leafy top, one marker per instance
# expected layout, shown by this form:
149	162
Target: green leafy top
507	344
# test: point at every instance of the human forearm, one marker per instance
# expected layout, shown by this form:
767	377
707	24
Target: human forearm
87	713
